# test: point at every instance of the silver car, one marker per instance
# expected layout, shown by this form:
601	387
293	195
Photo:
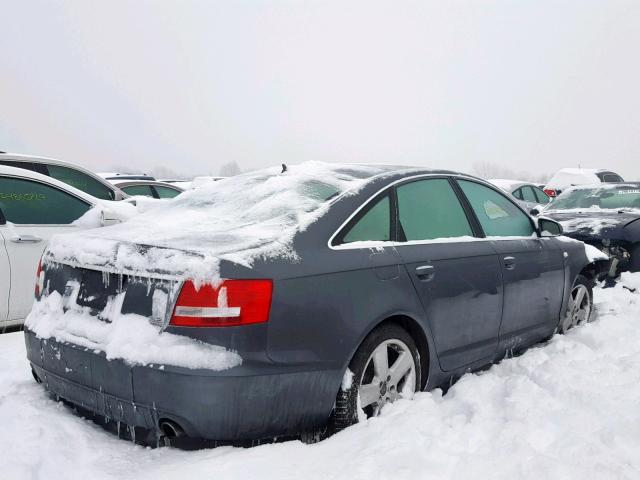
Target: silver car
527	194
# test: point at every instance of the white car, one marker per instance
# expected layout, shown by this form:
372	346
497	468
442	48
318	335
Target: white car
527	194
568	177
33	207
69	173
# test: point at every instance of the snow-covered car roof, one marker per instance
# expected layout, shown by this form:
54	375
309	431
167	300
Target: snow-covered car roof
566	177
247	216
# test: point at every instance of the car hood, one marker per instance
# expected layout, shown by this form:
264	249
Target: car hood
591	225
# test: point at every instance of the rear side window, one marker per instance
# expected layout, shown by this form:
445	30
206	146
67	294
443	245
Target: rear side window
166	192
374	225
81	181
29	202
430	209
518	194
611	178
144	190
498	216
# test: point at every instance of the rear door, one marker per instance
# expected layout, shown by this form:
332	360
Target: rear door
34	211
456	275
532	267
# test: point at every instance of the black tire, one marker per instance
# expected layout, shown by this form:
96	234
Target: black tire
571	317
346	412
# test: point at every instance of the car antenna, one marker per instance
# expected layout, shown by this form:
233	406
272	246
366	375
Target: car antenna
284	168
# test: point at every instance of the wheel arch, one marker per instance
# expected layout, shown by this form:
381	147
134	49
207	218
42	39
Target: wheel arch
417	332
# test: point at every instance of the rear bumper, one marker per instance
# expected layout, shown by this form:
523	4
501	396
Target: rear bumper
248	402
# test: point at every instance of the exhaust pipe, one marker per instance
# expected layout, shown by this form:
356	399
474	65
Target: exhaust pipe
171	429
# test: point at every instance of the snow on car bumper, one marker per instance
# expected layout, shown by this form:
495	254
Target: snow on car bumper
249	402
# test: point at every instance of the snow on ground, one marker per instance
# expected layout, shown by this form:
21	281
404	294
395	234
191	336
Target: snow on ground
567	409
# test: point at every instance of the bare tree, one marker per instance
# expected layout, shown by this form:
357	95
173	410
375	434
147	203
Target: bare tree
230	169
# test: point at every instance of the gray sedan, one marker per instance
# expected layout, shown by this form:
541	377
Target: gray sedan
298	300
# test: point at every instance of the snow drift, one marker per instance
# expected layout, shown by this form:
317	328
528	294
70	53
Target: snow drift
566	409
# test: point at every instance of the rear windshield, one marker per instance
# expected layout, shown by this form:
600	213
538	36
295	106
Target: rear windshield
606	198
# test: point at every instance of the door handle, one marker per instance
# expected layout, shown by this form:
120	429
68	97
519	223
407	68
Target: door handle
509	263
425	272
26	239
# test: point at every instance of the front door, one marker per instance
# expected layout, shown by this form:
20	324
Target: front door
456	275
34	211
532	267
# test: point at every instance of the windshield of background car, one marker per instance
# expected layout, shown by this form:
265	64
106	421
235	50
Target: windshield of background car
607	198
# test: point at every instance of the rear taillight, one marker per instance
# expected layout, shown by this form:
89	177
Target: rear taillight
551	192
39	280
233	302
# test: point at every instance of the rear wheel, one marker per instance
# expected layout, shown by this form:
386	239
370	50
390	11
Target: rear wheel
580	307
385	367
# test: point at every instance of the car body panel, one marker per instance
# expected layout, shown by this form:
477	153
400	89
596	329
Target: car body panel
532	287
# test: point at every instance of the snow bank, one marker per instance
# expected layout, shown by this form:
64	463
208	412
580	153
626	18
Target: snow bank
237	219
129	337
567	409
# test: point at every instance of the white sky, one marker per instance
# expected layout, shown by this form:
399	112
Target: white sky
535	85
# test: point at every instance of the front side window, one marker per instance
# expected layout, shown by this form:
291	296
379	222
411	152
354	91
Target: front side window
430	209
144	190
29	202
498	216
528	195
374	225
166	192
541	196
81	181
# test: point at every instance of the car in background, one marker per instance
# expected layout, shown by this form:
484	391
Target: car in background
532	198
148	188
66	172
113	176
568	177
204	180
183	184
606	216
33	207
299	301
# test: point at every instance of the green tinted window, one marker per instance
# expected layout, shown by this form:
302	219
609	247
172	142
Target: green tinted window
429	209
541	196
166	192
144	190
29	202
498	216
528	195
518	194
375	225
81	181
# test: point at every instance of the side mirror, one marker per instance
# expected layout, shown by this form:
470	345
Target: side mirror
534	212
549	228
